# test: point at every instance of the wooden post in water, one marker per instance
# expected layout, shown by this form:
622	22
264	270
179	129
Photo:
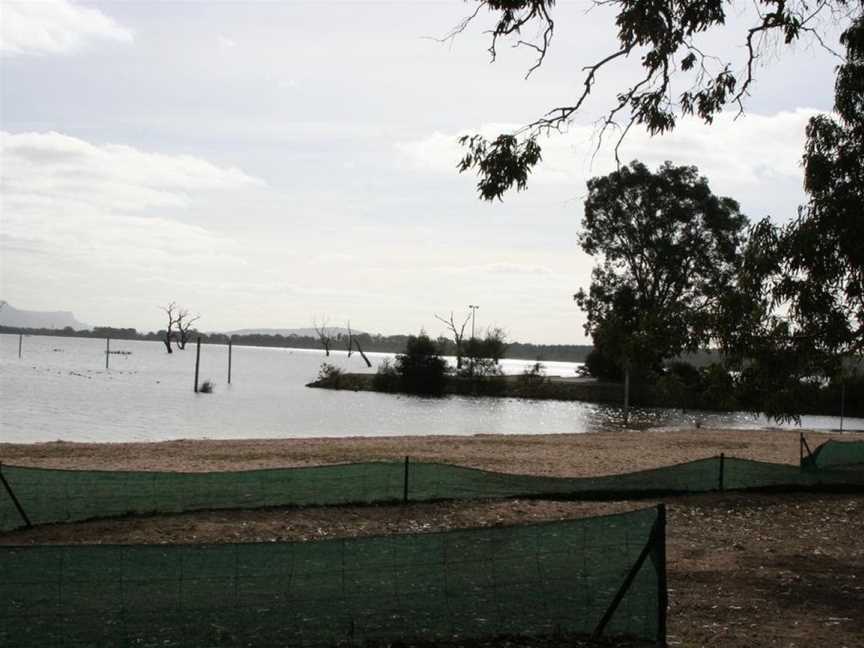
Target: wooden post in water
722	479
197	361
20	341
229	360
405	484
107	350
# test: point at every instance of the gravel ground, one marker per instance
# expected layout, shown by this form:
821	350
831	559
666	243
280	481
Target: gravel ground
574	455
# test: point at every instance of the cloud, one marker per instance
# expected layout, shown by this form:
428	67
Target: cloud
755	158
51	170
495	269
55	27
96	209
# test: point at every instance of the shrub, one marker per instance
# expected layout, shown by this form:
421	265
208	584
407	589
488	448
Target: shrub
329	375
386	378
206	387
536	375
421	368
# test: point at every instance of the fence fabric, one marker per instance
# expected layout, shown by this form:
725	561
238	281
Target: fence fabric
539	579
48	495
836	455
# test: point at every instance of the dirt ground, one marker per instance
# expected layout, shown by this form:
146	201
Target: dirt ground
572	455
745	570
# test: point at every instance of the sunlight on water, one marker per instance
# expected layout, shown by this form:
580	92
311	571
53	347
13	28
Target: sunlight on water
60	389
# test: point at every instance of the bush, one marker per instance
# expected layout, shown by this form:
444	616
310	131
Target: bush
536	375
206	387
329	375
421	368
481	356
386	378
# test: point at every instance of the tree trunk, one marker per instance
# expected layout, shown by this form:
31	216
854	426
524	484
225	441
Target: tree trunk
167	342
363	355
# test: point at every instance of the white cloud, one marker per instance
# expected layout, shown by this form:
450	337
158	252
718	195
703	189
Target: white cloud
50	170
54	27
755	159
108	211
501	268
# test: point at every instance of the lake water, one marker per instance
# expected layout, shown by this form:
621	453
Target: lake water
60	389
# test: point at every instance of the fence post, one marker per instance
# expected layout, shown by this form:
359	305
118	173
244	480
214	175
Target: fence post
229	360
107	350
197	361
626	392
651	544
721	483
20	341
14	498
405	484
842	403
660	564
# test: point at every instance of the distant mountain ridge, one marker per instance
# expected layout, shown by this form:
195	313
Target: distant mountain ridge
299	332
11	316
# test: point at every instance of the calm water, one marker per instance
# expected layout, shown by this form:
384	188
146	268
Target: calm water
60	389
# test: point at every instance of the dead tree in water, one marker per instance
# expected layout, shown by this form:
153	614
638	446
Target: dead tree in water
458	333
352	340
184	327
172	312
324	335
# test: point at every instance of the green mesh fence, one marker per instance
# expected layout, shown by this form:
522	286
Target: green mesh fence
47	495
836	455
542	579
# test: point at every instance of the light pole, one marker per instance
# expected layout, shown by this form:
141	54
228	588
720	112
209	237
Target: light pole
473	312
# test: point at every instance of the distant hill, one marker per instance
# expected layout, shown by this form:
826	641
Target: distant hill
299	332
11	316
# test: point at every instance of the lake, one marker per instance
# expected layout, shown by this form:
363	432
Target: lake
60	389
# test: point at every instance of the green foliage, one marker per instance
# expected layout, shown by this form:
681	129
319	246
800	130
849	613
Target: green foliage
386	377
500	163
667	248
483	355
665	37
421	369
601	366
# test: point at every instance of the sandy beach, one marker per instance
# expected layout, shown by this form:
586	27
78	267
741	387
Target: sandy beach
572	455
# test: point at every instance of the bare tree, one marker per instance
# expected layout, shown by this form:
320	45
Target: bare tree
172	311
352	340
184	327
324	335
458	333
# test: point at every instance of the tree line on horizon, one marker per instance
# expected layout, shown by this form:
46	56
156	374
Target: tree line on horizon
370	342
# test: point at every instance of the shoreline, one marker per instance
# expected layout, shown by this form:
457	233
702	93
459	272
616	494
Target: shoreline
571	455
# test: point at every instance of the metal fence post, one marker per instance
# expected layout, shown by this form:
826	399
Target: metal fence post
14	498
660	563
405	484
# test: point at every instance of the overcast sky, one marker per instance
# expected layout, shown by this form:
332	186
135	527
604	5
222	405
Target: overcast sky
267	163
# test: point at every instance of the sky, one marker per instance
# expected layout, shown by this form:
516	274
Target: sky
271	164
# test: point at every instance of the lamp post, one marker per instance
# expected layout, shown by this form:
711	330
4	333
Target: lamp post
473	312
